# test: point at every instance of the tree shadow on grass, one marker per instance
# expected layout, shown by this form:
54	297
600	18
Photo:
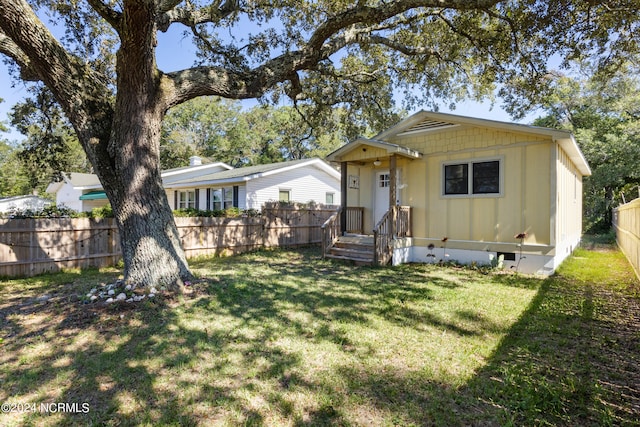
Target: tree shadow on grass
270	339
572	359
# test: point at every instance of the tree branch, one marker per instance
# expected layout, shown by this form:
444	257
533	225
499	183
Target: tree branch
167	5
370	15
331	36
109	14
83	95
10	49
191	17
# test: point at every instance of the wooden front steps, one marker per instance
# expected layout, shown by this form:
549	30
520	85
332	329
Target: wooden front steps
356	248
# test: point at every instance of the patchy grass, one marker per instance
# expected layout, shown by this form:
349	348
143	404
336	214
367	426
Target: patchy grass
285	338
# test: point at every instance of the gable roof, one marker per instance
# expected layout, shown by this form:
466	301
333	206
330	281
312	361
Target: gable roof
252	172
387	146
202	167
427	121
81	180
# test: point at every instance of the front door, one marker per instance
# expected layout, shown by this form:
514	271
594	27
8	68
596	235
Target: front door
381	196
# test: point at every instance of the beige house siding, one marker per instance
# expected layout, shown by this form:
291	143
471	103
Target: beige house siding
461	138
358	155
522	206
568	202
540	189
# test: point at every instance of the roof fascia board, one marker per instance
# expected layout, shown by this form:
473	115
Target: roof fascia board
195	168
388	147
564	138
318	163
241	179
570	146
197	184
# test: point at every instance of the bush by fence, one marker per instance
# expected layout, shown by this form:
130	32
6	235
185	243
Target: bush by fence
38	245
626	221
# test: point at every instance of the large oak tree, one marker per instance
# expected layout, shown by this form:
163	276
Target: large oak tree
102	71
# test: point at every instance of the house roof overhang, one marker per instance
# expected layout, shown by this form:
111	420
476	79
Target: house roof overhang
391	149
427	121
242	175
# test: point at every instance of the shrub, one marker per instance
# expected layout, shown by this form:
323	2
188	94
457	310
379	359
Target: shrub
46	212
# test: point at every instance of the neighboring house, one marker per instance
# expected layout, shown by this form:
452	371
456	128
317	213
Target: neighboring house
219	186
31	202
471	186
78	191
250	187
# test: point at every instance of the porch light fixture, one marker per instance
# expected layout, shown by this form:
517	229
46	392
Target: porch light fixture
377	162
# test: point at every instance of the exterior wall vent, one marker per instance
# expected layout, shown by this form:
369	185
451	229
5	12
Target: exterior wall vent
428	125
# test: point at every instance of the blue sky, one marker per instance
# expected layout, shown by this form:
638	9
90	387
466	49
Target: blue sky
174	53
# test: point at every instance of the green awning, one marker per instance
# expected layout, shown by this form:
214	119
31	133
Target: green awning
94	195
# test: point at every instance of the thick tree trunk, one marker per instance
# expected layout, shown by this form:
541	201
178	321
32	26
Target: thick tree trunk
150	244
149	238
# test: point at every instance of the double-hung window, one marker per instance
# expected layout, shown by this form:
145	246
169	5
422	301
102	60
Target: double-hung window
473	178
284	195
328	198
221	198
216	199
228	197
187	199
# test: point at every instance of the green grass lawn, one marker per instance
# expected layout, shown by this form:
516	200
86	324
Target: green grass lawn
285	338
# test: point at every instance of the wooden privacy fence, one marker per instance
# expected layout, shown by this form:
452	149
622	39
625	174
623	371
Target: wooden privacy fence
33	246
626	221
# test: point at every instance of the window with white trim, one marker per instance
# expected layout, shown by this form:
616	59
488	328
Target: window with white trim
216	199
328	199
472	178
228	197
187	199
284	195
383	180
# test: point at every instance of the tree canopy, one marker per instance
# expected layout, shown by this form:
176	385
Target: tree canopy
222	131
99	62
603	112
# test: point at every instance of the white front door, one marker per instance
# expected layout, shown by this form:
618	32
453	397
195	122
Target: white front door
381	195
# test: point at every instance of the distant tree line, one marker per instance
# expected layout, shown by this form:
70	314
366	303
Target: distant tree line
214	128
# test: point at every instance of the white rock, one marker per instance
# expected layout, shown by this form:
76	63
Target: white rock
109	300
129	300
121	296
111	292
153	291
93	298
93	290
152	295
89	295
127	288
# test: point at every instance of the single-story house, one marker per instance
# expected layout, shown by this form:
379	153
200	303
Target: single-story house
31	202
446	187
216	186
